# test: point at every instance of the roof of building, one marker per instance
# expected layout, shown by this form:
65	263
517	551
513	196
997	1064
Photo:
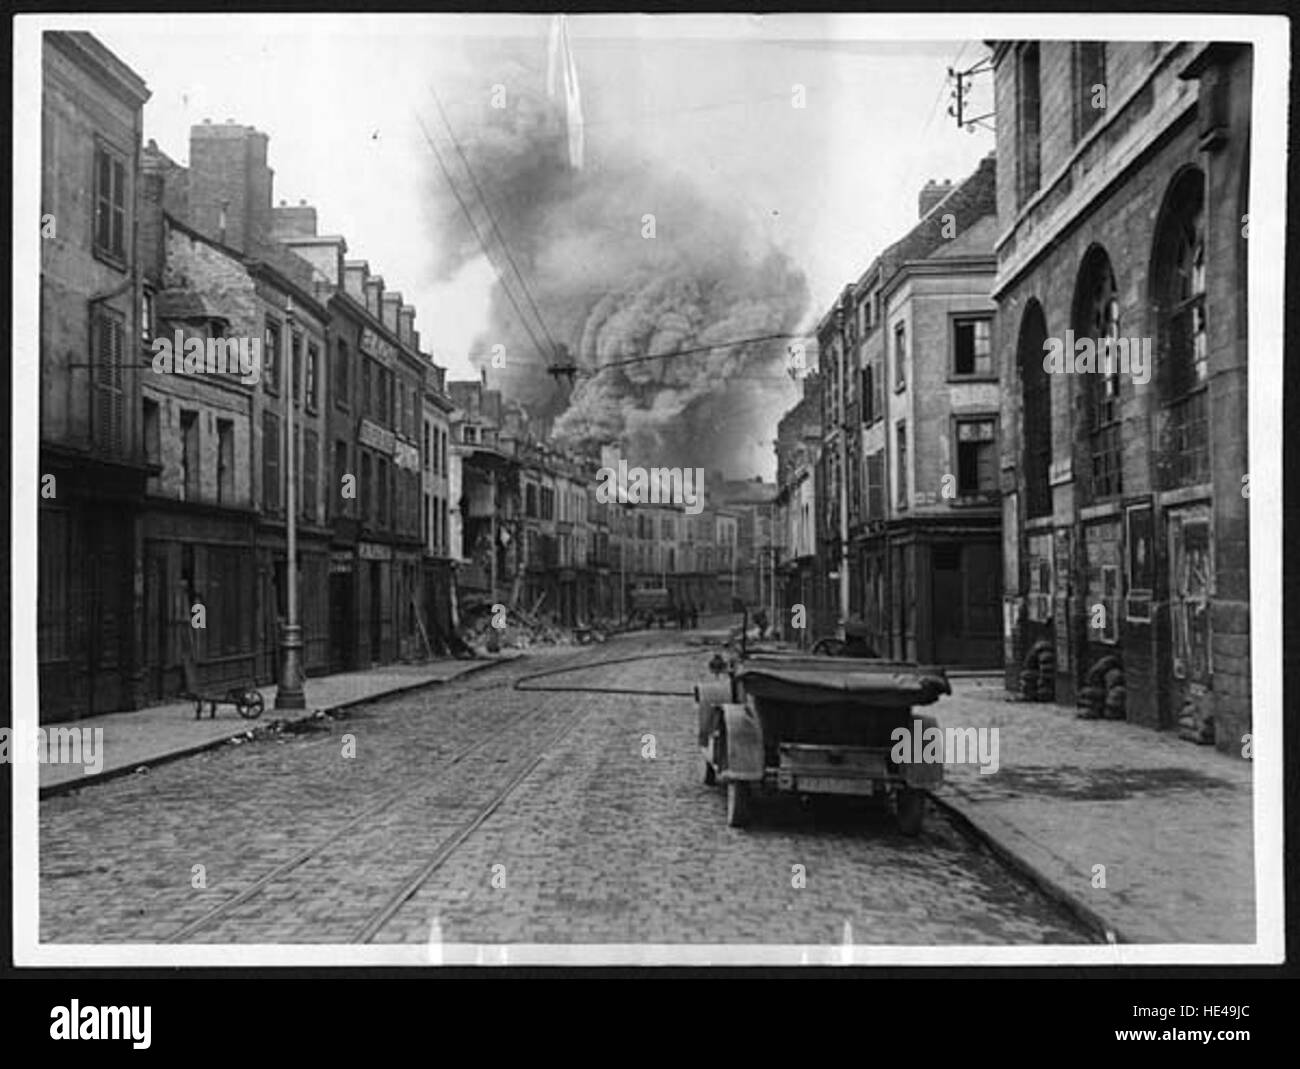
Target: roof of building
975	240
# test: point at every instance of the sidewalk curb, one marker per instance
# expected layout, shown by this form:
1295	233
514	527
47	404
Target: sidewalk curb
981	830
69	785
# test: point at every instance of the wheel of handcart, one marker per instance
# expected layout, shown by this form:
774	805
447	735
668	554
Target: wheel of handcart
911	811
250	704
738	803
828	647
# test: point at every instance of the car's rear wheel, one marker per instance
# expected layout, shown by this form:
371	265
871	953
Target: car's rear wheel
738	804
911	811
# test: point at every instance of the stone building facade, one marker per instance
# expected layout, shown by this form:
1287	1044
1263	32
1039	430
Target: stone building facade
798	446
907	483
90	615
1123	177
163	528
924	516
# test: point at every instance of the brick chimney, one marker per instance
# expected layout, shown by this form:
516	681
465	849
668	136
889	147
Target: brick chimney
230	184
391	303
355	275
931	194
374	294
295	229
406	326
293	221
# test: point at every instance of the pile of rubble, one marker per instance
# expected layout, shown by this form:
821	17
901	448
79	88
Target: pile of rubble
488	629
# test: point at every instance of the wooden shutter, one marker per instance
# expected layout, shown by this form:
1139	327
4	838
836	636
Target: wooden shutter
310	467
270	462
987	468
110	407
103	200
118	244
876	485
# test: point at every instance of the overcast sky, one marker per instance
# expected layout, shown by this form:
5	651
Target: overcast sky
711	97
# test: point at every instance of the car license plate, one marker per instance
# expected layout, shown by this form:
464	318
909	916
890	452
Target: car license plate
832	785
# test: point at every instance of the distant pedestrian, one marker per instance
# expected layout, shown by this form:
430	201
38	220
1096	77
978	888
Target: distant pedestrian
695	617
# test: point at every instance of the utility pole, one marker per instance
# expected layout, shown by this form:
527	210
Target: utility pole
959	96
289	694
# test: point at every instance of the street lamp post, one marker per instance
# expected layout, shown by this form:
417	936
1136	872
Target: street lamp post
771	580
289	694
492	532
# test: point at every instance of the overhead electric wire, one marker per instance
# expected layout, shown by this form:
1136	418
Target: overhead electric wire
487	208
694	351
523	319
501	277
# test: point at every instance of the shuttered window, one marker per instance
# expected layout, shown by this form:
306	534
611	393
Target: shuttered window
341	374
310	445
107	342
270	462
313	371
366	497
876	485
340	506
110	204
271	358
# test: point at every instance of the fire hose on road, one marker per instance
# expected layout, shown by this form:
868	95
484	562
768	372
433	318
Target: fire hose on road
519	683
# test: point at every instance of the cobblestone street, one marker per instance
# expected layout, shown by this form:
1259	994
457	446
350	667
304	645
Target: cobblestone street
596	842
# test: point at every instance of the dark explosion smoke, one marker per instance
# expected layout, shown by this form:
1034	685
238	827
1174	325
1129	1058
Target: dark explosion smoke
608	294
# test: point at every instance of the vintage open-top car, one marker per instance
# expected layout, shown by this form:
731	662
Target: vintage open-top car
816	725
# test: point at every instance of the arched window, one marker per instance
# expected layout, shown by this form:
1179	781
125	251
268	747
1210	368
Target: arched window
1096	316
1036	389
1182	348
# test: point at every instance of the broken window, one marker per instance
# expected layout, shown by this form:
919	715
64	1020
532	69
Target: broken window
977	471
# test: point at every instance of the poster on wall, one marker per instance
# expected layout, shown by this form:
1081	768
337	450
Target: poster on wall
1139	536
1061	602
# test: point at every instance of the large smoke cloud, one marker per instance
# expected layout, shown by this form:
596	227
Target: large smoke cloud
608	293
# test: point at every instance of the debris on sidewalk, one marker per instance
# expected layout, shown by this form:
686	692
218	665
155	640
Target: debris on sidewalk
487	629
